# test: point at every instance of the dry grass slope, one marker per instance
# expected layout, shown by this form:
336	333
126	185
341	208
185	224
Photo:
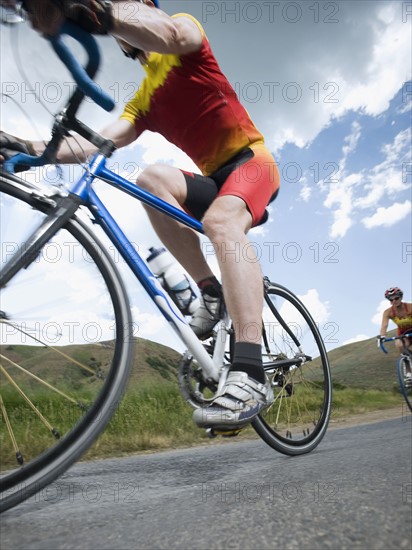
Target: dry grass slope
363	365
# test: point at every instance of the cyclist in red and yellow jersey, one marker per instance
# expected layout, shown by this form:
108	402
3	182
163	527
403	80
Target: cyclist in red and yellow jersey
186	98
400	313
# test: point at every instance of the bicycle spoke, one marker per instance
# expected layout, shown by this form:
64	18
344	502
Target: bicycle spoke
296	364
30	403
19	456
39	380
56	350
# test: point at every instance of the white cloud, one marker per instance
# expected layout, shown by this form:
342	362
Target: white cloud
407	105
154	327
369	61
381	58
260	230
387	68
19	125
147	324
388	216
305	192
380	308
351	193
399	147
157	149
342	221
350	143
340	190
318	309
386	178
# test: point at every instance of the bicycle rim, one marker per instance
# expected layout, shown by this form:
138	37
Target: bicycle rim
403	367
297	365
65	346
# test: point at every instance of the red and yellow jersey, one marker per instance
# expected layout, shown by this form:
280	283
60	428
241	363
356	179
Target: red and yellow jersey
189	101
405	322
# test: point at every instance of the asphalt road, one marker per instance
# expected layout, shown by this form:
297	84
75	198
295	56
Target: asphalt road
354	491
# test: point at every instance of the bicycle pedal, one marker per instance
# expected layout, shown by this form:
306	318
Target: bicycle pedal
215	432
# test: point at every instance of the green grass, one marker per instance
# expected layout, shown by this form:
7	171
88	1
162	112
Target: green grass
153	416
351	401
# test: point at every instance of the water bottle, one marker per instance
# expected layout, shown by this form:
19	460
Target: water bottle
165	267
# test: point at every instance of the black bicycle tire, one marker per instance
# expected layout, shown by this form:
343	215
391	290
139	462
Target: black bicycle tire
401	379
47	467
277	442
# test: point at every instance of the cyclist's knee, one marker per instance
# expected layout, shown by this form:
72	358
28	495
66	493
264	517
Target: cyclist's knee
216	227
163	181
223	221
151	178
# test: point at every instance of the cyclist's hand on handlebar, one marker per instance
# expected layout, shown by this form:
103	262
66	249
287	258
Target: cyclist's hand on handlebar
380	340
11	146
94	16
46	16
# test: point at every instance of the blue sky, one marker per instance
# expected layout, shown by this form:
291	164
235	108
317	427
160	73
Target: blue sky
329	85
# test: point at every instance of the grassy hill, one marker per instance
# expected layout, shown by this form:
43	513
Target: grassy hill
151	360
360	365
357	365
363	365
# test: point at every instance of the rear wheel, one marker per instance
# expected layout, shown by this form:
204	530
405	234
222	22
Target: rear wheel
296	362
66	346
405	380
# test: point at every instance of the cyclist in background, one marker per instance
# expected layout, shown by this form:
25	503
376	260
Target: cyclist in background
186	98
401	314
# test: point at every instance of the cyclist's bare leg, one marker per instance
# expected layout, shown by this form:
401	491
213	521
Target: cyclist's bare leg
226	224
401	350
399	345
169	184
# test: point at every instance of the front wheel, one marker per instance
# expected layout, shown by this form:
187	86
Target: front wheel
296	363
65	345
405	380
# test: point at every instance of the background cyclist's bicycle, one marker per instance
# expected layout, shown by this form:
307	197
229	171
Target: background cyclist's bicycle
66	325
403	367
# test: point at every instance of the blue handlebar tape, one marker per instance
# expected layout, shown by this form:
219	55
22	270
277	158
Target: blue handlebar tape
22	158
82	79
383	348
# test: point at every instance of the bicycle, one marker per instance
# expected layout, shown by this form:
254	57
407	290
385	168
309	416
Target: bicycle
403	367
83	374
